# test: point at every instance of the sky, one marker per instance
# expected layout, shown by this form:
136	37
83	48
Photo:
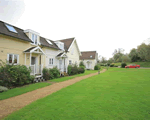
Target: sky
101	25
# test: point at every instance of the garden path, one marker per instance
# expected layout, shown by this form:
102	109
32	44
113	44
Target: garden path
10	105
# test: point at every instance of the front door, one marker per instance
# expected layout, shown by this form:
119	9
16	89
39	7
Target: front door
33	62
60	64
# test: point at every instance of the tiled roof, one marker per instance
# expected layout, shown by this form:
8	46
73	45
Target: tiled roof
67	42
20	33
88	55
28	50
45	43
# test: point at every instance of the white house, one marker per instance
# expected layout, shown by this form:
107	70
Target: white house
60	53
89	59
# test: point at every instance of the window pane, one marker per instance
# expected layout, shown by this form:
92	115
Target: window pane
52	60
15	58
11	28
35	39
10	58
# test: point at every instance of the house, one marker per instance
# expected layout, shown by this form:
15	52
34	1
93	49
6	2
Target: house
27	47
89	59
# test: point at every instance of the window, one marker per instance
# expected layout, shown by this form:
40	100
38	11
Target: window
13	58
62	46
49	42
72	51
91	56
11	28
51	61
34	39
70	62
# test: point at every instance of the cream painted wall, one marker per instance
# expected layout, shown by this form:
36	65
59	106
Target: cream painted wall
75	56
15	46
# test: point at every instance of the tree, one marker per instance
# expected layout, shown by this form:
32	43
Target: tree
111	60
126	58
142	51
117	55
134	55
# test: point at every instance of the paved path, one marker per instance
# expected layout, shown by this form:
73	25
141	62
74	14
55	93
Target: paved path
10	105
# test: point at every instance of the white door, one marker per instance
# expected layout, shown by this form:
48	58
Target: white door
60	65
33	62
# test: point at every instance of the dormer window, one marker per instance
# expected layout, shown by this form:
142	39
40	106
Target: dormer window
91	56
49	42
11	28
60	45
34	39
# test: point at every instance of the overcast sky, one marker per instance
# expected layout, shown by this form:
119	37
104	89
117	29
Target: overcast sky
101	25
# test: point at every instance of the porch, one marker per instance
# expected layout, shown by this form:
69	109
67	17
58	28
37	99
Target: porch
62	64
33	59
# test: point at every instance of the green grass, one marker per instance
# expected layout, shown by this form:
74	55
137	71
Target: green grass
118	94
142	64
71	77
21	90
31	87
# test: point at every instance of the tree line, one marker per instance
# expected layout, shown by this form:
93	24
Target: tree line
142	53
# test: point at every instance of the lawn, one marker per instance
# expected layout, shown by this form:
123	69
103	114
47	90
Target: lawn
31	87
142	64
71	77
118	94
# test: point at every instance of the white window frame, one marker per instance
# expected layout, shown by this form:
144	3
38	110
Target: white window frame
70	62
13	58
72	51
51	61
33	36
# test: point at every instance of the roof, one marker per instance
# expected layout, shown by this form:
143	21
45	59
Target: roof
60	54
28	50
67	43
20	32
87	54
45	43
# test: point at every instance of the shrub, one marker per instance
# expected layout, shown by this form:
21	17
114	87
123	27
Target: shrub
2	88
14	75
54	73
69	69
123	65
46	74
96	67
81	69
112	65
81	64
74	70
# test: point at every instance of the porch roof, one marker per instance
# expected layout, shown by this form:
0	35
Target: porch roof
63	54
33	50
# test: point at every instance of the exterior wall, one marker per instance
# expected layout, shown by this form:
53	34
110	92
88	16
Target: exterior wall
75	56
51	53
94	62
10	45
14	46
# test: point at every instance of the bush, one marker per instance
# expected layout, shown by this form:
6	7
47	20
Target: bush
2	88
81	64
96	67
14	75
50	73
81	69
123	65
74	70
112	65
69	69
46	74
54	73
